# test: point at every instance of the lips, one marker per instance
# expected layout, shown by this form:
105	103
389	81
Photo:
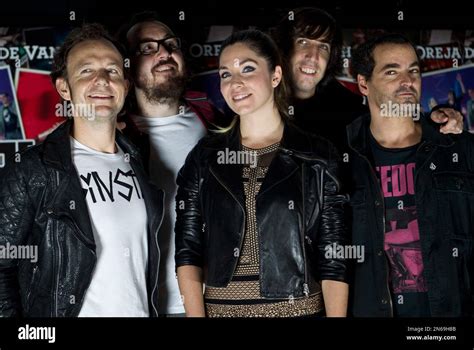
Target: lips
100	96
406	94
308	70
164	67
240	97
406	91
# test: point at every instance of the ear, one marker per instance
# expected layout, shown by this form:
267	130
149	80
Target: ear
127	86
276	76
63	89
362	83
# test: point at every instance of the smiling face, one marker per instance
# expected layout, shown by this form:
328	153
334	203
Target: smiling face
308	64
161	75
246	81
396	77
95	80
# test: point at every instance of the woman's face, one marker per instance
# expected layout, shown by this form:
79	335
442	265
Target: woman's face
246	81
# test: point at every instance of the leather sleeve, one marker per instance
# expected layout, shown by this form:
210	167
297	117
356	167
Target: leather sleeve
16	217
189	223
333	230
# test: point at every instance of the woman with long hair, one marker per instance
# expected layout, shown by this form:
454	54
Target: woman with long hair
259	212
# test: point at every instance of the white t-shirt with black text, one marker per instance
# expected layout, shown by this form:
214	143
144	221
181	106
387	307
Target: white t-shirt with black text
119	223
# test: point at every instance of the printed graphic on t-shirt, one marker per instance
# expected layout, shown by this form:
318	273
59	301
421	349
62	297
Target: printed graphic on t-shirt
107	188
119	223
402	245
402	237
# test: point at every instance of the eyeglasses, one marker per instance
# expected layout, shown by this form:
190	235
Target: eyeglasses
151	47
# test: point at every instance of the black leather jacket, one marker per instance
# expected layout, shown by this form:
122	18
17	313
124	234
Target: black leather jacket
210	209
444	189
35	209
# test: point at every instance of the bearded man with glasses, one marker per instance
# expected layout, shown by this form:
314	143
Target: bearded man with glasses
165	120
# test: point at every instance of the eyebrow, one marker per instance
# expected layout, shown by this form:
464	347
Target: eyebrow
320	39
241	63
89	63
148	39
396	65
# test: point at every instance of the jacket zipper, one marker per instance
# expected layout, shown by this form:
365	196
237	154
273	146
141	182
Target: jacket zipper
158	249
303	233
75	227
243	224
33	276
303	229
56	239
59	256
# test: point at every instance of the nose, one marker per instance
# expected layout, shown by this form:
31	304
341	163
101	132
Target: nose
102	77
406	79
236	80
312	52
163	52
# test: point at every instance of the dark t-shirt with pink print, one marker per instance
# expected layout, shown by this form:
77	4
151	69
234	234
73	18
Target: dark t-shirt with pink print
395	169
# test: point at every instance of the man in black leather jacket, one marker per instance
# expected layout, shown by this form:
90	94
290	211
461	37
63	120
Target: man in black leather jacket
61	197
412	195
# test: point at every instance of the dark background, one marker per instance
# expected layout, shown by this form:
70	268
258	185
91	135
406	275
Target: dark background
418	15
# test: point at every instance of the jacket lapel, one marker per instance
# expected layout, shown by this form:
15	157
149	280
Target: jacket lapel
70	202
281	168
228	175
283	164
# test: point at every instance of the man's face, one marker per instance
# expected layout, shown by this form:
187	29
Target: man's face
3	99
161	75
95	80
308	64
396	76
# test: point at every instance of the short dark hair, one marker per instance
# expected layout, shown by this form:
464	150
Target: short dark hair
363	62
89	31
312	23
263	45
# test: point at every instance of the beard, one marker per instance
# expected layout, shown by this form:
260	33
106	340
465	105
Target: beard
164	92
